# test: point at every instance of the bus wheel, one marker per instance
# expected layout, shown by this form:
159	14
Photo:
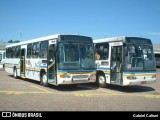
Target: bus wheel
15	73
44	81
101	81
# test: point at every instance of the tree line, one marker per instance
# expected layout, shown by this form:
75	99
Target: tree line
13	41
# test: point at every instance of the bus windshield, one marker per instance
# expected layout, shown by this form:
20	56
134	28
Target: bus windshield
76	56
139	57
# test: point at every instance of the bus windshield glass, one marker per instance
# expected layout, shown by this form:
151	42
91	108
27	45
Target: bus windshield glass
139	57
76	56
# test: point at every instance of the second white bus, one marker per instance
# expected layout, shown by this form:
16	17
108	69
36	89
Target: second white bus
125	61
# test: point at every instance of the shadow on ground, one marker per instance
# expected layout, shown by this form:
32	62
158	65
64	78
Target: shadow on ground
130	89
71	87
93	86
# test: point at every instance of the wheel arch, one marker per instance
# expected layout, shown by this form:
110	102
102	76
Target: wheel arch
99	72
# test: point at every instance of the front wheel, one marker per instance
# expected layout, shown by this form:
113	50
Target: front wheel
101	81
44	81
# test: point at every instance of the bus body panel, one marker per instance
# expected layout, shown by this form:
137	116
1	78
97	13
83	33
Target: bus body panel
75	76
130	78
33	68
10	64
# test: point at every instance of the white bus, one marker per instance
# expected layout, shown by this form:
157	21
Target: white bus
157	57
2	58
125	61
56	59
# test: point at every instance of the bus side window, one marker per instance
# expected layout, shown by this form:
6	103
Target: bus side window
18	52
97	55
43	49
105	51
97	52
102	51
35	50
29	50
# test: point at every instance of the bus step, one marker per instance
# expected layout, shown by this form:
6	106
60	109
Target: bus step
23	77
51	80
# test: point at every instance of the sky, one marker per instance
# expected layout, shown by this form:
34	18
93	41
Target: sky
29	19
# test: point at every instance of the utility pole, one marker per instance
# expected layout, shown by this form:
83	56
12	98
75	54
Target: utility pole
21	36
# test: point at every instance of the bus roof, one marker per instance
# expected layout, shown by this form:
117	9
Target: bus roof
114	39
34	40
40	39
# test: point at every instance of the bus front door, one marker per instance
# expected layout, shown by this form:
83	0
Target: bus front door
22	63
51	64
116	64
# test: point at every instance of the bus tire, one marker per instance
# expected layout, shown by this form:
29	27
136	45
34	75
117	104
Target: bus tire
101	80
44	81
15	73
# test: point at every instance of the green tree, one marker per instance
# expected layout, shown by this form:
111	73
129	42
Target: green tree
11	41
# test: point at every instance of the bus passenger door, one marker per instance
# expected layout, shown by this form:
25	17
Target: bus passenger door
22	63
116	65
51	63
